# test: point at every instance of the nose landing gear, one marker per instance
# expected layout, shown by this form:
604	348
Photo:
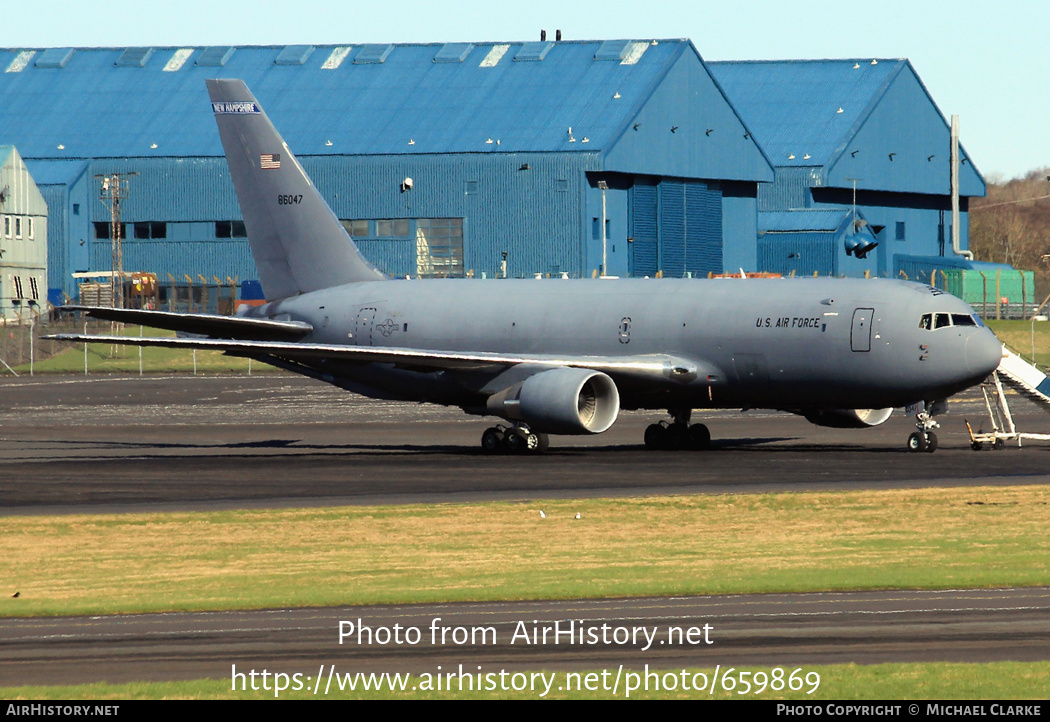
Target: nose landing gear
924	439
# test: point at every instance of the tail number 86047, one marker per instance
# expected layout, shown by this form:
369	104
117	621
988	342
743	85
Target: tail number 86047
287	199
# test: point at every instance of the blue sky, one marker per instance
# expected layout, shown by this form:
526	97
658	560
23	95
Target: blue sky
988	62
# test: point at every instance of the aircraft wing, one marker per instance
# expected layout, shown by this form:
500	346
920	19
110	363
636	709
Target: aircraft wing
648	367
204	324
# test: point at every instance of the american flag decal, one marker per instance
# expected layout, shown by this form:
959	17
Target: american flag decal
268	161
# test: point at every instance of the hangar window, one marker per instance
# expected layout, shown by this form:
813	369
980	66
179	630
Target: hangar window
30	231
421	247
596	226
18	227
102	230
356	229
230	229
439	248
7	226
151	229
900	231
393	228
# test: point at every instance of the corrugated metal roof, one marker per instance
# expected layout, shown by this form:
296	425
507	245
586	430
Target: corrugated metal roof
801	111
56	172
97	106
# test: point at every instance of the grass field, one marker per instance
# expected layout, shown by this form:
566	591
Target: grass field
1018	335
792	542
997	680
110	359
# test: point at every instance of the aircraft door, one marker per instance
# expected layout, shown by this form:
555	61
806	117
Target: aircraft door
363	327
860	336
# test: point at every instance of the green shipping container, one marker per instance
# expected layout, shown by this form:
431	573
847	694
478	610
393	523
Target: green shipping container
1017	287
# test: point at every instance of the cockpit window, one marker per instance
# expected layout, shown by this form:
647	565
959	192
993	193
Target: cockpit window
931	321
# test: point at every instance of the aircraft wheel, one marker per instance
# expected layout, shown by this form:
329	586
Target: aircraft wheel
917	442
976	445
699	437
998	444
492	440
676	436
931	442
654	436
515	442
542	444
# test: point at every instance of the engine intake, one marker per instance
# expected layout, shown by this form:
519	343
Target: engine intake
561	401
848	418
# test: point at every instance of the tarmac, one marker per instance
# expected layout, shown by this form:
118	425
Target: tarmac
122	444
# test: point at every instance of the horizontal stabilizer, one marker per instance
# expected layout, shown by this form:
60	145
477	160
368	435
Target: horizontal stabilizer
249	329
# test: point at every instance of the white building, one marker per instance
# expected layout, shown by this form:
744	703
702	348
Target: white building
23	241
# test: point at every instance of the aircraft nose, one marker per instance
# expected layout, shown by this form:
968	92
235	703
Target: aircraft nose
984	352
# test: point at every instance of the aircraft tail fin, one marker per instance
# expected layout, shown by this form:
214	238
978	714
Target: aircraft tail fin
298	243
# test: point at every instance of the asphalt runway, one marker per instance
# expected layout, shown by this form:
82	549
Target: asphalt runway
98	444
93	444
772	630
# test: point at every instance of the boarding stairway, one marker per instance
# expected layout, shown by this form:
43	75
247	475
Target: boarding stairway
1024	378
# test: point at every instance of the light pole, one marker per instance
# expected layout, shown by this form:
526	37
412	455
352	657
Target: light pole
604	186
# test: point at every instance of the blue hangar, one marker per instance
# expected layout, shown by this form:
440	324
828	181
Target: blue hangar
447	160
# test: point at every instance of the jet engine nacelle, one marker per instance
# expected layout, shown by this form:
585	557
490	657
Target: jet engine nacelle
561	401
848	418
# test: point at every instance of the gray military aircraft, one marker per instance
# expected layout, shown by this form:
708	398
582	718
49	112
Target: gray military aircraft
564	356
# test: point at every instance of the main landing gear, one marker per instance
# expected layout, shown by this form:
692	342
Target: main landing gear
520	439
924	439
678	434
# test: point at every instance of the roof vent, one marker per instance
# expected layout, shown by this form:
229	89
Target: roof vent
54	58
453	53
177	59
635	51
372	54
20	62
493	57
613	50
134	58
294	55
336	58
534	51
214	57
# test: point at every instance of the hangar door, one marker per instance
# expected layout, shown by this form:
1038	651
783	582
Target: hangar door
677	228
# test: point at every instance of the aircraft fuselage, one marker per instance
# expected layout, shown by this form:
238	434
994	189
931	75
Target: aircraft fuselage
772	343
